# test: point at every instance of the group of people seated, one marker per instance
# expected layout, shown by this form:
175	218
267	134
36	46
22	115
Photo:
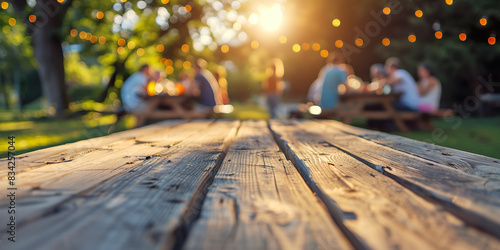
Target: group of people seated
423	96
207	89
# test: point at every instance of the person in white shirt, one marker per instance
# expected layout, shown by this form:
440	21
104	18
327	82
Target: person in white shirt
429	88
134	88
402	82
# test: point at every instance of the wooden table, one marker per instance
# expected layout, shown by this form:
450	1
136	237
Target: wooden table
253	185
156	105
354	104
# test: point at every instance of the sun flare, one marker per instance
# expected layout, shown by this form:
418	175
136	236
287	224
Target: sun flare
271	19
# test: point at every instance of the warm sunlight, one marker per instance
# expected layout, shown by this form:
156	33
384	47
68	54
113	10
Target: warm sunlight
271	18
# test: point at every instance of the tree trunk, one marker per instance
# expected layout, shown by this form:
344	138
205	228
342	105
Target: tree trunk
49	55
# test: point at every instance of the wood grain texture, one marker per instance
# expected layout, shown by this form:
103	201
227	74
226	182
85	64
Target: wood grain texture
70	151
145	208
377	210
43	190
259	201
465	195
470	163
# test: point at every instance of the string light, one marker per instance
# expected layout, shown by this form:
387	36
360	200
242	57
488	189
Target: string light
99	15
32	18
492	40
419	13
339	44
412	38
121	42
73	32
305	46
359	42
102	40
324	53
483	21
160	48
336	22
462	37
438	34
386	10
12	21
386	42
316	47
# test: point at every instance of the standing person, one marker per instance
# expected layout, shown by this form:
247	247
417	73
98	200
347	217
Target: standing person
208	89
335	76
220	75
273	85
429	88
402	82
134	88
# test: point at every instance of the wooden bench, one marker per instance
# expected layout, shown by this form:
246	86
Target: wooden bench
218	184
355	104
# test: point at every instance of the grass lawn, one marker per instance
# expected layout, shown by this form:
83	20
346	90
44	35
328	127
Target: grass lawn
33	131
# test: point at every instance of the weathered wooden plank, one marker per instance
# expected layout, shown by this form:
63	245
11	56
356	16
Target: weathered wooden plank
379	212
68	152
465	195
40	190
145	208
468	162
259	201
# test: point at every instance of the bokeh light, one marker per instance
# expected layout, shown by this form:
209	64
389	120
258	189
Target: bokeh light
412	38
449	2
121	42
438	34
419	13
12	21
140	51
32	18
296	48
283	39
99	15
386	10
386	41
462	37
305	46
483	21
324	53
492	40
339	44
316	47
336	22
185	48
359	42
271	18
73	32
254	45
224	48
5	5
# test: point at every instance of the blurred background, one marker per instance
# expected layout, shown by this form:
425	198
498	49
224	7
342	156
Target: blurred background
63	62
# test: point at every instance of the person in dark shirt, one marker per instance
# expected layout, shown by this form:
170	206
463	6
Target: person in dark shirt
208	90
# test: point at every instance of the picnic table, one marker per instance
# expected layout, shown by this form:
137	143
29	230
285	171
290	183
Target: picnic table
164	106
355	104
219	184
